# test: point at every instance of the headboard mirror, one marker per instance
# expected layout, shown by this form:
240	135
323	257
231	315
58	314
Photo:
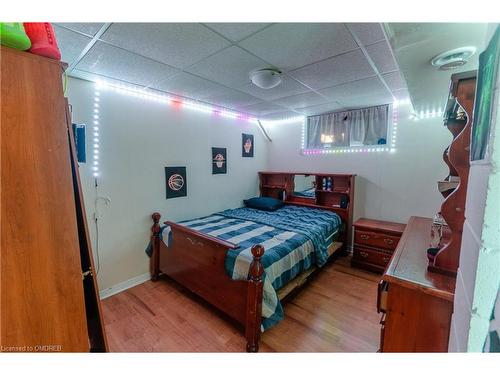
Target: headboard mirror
304	186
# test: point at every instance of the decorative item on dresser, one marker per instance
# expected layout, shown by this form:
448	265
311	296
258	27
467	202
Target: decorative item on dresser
374	243
444	249
49	290
416	304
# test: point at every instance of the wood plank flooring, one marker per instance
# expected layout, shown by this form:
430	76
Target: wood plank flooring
334	312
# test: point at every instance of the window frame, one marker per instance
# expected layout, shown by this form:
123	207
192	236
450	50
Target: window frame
390	146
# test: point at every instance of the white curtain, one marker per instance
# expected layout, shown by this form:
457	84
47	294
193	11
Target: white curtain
366	126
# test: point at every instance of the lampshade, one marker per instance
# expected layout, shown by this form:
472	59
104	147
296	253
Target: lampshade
266	78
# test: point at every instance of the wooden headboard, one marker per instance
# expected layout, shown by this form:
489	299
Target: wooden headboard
275	184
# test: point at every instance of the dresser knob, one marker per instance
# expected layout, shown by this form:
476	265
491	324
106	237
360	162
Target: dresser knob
386	259
363	254
388	241
364	236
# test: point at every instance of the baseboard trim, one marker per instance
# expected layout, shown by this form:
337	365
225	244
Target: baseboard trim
124	285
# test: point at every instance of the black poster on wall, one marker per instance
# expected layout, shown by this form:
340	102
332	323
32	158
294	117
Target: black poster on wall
247	145
219	160
176	182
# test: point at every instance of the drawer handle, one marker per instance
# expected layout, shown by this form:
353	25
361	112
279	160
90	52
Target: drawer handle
363	254
386	259
364	236
388	241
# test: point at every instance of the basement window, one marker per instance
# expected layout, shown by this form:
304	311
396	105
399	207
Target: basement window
349	129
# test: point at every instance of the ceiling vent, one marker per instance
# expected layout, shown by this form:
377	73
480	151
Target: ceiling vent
266	78
454	58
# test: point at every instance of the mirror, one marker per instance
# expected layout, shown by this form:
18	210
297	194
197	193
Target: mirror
305	186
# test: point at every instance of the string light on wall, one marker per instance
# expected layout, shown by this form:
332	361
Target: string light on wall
426	114
167	99
96	134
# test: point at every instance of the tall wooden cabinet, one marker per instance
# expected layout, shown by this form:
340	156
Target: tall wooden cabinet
49	299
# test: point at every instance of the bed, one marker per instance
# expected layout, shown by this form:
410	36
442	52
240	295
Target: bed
244	260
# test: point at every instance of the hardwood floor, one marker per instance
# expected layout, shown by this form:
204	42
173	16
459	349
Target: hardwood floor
334	312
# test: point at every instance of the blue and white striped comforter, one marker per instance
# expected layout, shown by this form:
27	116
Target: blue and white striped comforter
294	239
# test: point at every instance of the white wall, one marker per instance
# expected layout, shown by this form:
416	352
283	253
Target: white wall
389	186
138	139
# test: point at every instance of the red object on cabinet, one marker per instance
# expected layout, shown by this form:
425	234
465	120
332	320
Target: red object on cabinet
43	39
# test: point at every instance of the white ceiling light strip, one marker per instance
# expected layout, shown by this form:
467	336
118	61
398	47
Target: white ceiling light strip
168	99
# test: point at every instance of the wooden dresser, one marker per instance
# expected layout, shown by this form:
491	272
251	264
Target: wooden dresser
416	304
49	294
374	243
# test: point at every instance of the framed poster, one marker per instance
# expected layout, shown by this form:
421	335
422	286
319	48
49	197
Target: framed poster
219	160
247	145
483	107
176	182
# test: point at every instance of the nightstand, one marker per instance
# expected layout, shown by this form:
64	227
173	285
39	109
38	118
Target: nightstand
374	243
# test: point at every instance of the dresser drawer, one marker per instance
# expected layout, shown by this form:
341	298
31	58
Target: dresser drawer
374	239
376	257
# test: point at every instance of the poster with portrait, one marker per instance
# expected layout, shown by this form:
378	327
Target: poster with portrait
247	145
483	106
176	183
219	160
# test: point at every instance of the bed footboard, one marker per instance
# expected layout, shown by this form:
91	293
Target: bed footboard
197	261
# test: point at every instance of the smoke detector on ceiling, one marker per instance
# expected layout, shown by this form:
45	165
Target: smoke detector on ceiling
266	78
454	58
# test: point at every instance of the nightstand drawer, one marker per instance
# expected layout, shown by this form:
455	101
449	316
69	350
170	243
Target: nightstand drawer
375	239
380	258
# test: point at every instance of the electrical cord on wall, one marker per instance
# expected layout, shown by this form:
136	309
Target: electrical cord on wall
96	219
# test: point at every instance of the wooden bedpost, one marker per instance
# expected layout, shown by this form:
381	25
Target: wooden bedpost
254	300
155	244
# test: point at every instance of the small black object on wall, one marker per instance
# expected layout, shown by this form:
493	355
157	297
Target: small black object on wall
247	145
176	182
80	143
219	160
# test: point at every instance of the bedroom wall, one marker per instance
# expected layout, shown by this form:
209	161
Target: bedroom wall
138	139
389	186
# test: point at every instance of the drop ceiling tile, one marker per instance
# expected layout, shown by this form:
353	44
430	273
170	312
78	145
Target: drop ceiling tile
394	80
123	65
292	45
261	109
402	94
365	101
236	31
381	55
279	116
93	77
175	44
233	99
89	28
287	87
302	100
188	85
355	89
320	109
348	67
368	33
70	43
229	67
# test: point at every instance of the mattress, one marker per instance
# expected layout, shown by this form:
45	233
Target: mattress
295	238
